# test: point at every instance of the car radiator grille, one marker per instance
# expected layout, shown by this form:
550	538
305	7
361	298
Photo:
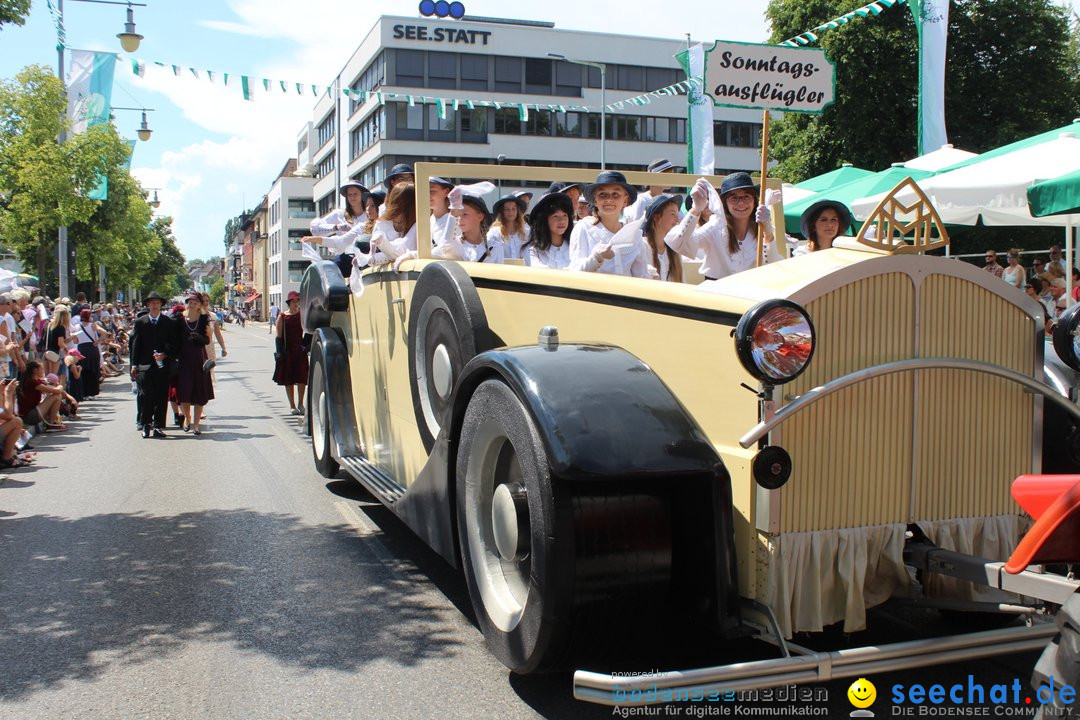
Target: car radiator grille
923	445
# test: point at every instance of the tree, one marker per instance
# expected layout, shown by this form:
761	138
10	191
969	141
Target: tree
1011	72
166	272
217	292
14	11
233	226
45	183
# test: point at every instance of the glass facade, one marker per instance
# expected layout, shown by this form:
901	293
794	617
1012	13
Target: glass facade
325	130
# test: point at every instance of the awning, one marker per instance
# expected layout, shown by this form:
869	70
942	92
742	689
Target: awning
252	298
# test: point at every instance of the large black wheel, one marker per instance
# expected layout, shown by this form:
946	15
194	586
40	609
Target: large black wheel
1059	664
517	556
447	327
550	573
319	411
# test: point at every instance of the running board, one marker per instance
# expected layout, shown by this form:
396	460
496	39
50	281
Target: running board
381	485
712	682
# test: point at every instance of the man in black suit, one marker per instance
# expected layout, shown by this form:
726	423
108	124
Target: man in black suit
153	343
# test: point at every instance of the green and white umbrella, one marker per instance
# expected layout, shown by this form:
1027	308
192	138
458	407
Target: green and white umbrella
1057	196
872	184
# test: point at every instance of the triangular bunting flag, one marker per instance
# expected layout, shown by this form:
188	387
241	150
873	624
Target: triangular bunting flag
138	67
245	84
176	70
194	72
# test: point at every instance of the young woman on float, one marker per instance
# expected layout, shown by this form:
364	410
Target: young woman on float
509	228
661	215
729	240
591	243
821	223
550	225
339	230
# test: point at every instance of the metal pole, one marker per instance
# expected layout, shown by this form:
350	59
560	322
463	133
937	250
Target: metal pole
62	234
603	113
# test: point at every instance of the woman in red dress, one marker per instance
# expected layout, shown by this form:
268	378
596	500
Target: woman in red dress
291	362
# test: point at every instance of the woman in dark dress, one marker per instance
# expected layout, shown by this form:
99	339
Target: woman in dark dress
291	362
193	383
89	338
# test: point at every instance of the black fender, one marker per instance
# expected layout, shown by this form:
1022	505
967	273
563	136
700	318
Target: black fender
323	292
330	350
608	421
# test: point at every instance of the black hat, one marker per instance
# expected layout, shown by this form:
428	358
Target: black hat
498	206
737	181
548	204
562	186
477	203
814	210
658	204
661	165
154	295
610	177
400	169
441	181
352	183
378	196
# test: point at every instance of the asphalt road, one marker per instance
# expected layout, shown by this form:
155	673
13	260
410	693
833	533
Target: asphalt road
222	577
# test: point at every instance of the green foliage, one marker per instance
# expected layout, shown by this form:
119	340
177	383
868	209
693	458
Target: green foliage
233	225
217	292
166	272
14	11
1011	72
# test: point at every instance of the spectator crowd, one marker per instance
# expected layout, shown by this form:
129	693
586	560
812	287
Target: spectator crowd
1044	281
54	355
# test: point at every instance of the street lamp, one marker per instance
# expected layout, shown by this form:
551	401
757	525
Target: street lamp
499	161
144	130
603	96
129	41
153	202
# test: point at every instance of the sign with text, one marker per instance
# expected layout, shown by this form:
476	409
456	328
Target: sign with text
769	77
444	35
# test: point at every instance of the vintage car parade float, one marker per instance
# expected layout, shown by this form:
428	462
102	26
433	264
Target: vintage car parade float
772	453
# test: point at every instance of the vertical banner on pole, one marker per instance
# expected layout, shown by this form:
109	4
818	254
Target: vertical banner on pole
89	88
932	21
699	121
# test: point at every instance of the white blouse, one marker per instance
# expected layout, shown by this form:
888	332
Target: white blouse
513	244
712	237
454	247
333	223
556	257
389	242
584	239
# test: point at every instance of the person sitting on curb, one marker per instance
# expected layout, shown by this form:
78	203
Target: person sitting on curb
39	402
11	427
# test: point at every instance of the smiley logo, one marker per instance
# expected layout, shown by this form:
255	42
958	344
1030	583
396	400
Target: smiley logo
862	693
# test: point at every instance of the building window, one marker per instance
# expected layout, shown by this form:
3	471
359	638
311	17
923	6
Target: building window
592	126
539	123
656	78
747	135
507	75
440	128
631	77
366	134
656	129
474	125
628	127
295	236
370	79
474	72
507	121
567	79
679	134
568	124
326	166
301	144
538	76
301	209
410	68
325	205
410	121
442	70
296	270
326	130
593	75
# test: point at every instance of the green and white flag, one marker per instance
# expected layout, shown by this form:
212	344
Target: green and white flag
89	91
932	21
699	122
89	82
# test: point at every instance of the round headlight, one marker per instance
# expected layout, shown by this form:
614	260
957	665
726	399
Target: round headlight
1066	342
775	341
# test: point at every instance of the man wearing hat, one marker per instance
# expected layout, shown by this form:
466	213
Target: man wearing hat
153	344
637	210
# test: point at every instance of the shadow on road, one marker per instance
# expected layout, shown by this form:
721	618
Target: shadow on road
81	594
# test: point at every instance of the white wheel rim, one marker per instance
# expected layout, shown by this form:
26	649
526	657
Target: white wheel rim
442	374
318	418
503	585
